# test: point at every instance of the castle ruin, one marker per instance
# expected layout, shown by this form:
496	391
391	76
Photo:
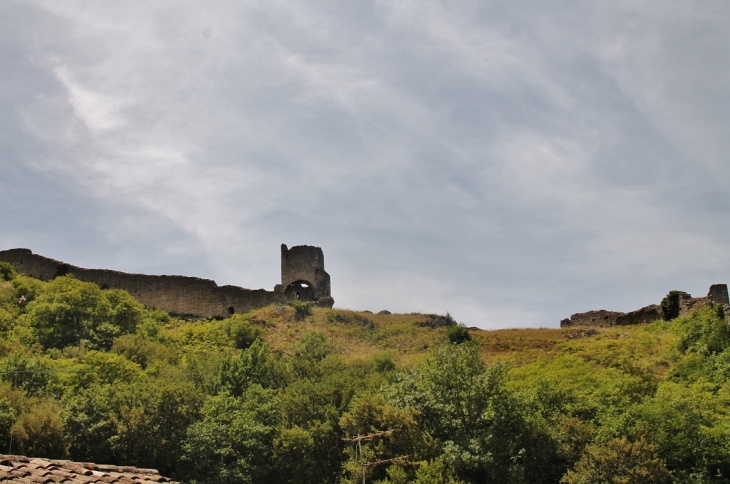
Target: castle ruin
302	277
717	294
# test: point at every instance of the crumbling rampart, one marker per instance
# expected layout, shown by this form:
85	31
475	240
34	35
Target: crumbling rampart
175	294
303	276
718	294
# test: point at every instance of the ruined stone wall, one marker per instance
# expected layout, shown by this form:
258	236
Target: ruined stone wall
718	294
600	317
645	315
305	263
32	265
175	294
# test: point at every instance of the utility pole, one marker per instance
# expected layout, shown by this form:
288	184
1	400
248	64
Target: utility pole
359	439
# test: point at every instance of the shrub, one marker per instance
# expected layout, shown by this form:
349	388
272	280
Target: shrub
313	346
6	321
670	306
705	331
619	462
301	309
243	333
458	334
7	272
383	362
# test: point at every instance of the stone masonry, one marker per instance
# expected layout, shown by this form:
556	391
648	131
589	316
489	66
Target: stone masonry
192	296
717	294
303	276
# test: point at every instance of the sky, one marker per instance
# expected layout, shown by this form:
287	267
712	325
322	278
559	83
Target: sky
509	162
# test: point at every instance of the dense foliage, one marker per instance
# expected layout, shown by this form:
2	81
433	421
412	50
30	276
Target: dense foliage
299	395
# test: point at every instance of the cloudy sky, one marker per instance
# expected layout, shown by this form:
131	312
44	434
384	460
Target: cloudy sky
511	162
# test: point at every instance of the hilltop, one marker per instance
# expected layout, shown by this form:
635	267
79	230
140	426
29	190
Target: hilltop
282	392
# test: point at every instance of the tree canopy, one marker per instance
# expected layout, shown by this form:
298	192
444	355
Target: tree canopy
311	395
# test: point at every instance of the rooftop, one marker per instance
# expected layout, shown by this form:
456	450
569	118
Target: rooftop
16	468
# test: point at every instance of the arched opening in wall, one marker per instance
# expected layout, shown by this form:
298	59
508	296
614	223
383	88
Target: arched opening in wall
231	310
302	290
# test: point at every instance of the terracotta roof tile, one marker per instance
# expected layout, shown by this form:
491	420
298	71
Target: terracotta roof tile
21	469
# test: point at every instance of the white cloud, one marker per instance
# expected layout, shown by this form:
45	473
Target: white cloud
96	111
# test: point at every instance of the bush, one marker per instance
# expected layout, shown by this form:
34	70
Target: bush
670	306
301	309
619	462
458	334
313	346
705	331
7	271
383	362
243	333
6	321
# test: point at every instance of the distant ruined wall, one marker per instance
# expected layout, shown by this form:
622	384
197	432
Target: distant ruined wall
645	315
175	294
718	294
592	318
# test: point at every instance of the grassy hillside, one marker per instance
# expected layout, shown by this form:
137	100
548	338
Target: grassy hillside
279	394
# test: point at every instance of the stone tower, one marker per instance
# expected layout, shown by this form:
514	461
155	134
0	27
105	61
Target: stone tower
303	276
718	294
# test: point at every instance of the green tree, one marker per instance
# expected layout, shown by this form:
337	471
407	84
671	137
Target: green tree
7	271
140	350
39	431
143	423
26	286
369	413
71	311
29	373
234	441
670	306
315	406
107	368
254	365
90	424
464	403
8	416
